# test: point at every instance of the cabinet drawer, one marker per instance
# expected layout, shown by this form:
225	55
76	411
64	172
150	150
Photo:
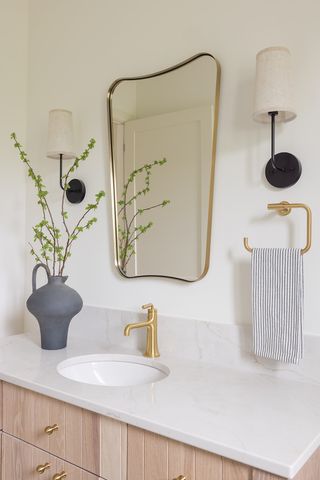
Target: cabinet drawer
94	442
21	460
26	415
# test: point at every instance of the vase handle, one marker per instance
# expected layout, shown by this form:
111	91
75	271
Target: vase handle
34	274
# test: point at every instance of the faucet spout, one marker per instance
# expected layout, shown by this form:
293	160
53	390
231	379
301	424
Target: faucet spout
132	326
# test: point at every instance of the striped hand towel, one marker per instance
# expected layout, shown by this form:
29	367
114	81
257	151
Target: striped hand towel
277	303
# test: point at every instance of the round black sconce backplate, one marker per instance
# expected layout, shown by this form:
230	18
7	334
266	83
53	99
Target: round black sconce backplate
76	191
287	171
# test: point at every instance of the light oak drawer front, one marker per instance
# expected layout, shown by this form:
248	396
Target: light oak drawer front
151	456
26	415
21	461
96	443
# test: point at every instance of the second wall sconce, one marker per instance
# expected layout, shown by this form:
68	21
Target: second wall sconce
273	103
60	146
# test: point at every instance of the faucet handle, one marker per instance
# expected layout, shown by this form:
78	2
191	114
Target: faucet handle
148	306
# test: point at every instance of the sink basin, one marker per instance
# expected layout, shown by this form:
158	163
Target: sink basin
113	370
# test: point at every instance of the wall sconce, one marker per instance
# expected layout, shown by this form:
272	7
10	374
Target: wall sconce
60	146
273	103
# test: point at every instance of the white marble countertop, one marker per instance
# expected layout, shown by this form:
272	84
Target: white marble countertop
267	422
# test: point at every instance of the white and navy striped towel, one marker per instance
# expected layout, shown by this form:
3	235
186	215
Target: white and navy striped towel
277	303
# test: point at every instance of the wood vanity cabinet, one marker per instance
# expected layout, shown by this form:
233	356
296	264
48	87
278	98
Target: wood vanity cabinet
90	441
39	430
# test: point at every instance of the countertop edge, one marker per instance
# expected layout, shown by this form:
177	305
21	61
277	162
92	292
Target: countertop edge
306	455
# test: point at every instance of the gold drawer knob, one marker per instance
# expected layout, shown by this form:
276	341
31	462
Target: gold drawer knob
59	476
51	428
181	477
42	468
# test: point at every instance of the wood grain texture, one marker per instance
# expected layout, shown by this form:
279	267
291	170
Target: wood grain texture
311	470
91	442
88	476
235	471
1	456
113	449
39	457
135	453
124	451
208	466
16	461
260	475
153	457
73	472
25	415
57	414
39	407
156	457
181	460
21	460
74	434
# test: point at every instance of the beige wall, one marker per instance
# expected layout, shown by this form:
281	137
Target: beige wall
78	47
13	86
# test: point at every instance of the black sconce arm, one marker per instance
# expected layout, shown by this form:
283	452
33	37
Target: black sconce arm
76	188
283	169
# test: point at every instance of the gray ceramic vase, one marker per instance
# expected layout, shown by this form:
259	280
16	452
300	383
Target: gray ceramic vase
54	305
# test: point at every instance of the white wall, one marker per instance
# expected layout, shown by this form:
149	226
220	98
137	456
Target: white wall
78	47
13	86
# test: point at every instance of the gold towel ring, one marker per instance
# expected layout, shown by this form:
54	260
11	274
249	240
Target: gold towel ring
284	208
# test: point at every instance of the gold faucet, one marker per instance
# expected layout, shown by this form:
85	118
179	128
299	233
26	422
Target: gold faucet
152	331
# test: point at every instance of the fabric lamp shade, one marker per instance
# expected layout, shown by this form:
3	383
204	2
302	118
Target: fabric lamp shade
273	87
60	134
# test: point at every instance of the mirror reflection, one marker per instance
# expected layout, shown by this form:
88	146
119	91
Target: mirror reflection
162	132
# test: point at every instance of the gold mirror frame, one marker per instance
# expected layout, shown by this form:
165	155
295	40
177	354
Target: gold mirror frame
213	160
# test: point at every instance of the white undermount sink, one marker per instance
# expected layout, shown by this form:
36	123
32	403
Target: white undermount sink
113	370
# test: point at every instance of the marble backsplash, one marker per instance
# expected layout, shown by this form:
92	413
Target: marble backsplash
224	345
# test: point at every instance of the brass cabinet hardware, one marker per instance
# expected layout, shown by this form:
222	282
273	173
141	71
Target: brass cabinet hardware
42	468
59	476
51	428
284	208
181	477
151	325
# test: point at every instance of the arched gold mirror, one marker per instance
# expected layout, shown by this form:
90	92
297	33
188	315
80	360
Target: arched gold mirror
162	131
